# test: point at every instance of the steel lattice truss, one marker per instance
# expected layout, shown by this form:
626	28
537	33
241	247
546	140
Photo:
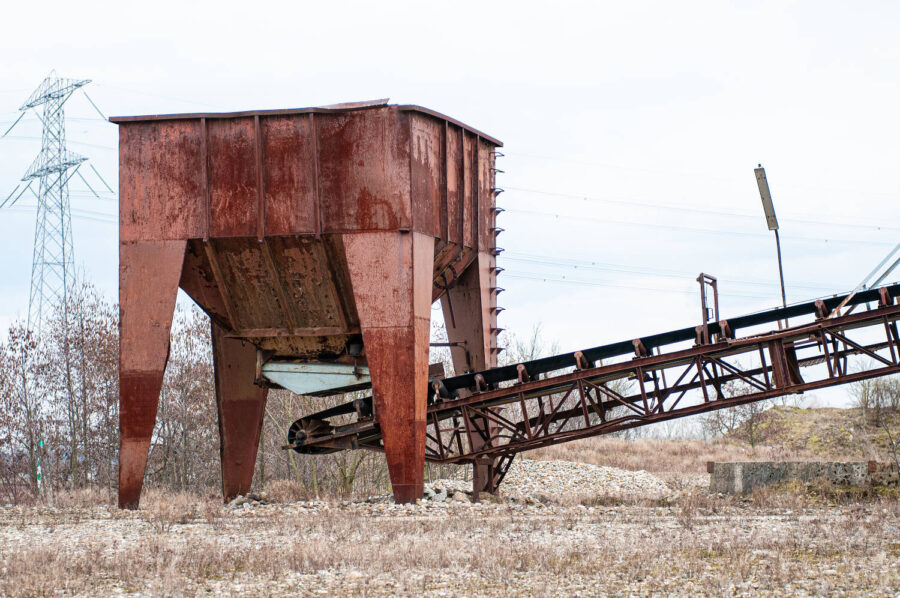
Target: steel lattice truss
587	402
590	401
52	258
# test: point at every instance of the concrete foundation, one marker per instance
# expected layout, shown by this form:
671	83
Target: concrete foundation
740	478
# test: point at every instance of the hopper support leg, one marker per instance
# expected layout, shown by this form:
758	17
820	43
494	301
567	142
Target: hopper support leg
471	321
391	275
148	285
241	406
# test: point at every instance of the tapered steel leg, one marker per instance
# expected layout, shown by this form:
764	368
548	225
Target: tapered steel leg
148	285
391	275
470	319
241	405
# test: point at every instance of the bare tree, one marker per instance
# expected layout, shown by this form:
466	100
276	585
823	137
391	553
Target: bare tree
744	422
532	346
21	412
185	441
79	381
876	397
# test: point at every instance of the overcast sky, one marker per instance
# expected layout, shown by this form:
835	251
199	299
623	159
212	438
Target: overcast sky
631	131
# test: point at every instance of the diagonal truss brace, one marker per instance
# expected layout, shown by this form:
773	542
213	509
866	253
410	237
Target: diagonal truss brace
600	400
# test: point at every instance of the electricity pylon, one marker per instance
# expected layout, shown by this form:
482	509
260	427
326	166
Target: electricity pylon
52	260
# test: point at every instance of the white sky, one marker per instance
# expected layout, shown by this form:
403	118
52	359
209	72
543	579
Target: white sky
631	132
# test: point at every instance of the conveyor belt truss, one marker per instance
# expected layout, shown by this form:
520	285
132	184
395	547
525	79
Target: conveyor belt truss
520	407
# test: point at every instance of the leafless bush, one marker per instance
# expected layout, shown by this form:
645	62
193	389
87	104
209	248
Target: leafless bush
83	498
876	398
285	491
163	509
686	511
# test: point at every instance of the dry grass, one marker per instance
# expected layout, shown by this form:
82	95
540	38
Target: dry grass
81	498
791	539
285	491
787	433
682	456
701	545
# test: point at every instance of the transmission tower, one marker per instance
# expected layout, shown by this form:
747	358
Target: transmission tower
52	264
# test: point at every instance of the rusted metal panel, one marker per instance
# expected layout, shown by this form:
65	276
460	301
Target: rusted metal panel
160	181
307	274
148	283
233	185
290	174
247	284
454	185
485	215
469	186
396	329
199	283
427	165
364	171
241	406
380	265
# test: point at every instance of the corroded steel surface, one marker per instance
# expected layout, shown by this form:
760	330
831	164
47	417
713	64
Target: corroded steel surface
241	406
304	234
148	283
587	398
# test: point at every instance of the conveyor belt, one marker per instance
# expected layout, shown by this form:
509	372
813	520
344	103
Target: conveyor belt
490	422
451	387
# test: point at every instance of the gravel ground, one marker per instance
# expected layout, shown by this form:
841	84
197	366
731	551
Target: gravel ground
690	544
452	549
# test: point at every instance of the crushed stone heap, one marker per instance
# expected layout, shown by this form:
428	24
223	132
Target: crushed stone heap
548	479
554	481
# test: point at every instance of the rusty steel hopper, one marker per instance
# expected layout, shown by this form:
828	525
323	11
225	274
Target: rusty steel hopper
316	240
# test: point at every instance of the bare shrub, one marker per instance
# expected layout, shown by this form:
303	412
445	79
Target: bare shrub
285	491
876	398
686	511
162	509
83	498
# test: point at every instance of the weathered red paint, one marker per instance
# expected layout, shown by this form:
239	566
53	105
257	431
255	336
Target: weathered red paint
470	316
391	277
148	283
301	232
241	405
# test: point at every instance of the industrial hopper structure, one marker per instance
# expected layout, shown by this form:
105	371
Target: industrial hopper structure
316	240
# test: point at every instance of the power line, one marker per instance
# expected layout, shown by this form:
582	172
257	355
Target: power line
563	280
638	271
697	210
33	138
76	213
681	173
709	231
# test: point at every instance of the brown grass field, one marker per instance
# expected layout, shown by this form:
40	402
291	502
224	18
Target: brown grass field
795	540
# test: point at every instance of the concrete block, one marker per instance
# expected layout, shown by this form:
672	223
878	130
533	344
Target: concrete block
744	477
